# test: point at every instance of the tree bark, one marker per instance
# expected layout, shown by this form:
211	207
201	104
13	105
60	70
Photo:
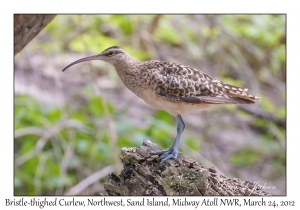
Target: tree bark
26	27
142	175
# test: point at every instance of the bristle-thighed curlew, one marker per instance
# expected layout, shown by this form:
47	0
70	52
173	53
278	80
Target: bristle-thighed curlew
174	88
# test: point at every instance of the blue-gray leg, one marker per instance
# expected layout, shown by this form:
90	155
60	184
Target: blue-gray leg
172	152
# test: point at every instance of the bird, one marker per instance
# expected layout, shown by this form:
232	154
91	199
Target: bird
174	88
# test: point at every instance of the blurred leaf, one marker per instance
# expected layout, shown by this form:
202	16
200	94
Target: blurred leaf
231	81
245	158
281	113
167	33
123	22
267	105
194	145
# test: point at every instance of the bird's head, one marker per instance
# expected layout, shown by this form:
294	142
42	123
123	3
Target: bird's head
114	55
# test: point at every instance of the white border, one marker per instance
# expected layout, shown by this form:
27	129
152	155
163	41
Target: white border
153	6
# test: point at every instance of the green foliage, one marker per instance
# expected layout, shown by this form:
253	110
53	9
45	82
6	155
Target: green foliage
167	33
123	22
245	157
92	145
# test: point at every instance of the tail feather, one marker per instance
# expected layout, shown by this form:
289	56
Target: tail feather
216	100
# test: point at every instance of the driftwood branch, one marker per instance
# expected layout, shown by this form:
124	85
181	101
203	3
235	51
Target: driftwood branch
142	175
26	27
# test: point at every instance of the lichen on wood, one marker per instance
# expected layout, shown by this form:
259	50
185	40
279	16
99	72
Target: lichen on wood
142	175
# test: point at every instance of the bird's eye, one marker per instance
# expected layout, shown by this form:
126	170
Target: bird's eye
110	53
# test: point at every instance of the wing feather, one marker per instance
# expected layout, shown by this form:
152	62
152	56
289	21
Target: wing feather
176	83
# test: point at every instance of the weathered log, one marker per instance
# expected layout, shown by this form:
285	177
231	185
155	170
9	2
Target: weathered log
142	175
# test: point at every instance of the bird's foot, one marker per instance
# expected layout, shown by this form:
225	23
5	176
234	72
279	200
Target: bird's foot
166	154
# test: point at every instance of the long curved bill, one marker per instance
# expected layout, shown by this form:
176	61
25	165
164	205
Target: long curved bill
90	58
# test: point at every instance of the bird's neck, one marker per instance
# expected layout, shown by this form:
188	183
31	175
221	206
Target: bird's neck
130	66
129	72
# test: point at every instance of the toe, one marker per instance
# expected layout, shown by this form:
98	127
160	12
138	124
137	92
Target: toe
168	156
159	153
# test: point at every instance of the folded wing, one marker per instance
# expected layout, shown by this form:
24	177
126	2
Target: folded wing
176	82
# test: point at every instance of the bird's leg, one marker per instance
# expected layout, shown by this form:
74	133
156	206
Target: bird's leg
172	152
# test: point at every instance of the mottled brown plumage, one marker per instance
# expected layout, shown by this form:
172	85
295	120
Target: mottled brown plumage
179	83
172	87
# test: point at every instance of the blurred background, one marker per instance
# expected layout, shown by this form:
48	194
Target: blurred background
71	126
